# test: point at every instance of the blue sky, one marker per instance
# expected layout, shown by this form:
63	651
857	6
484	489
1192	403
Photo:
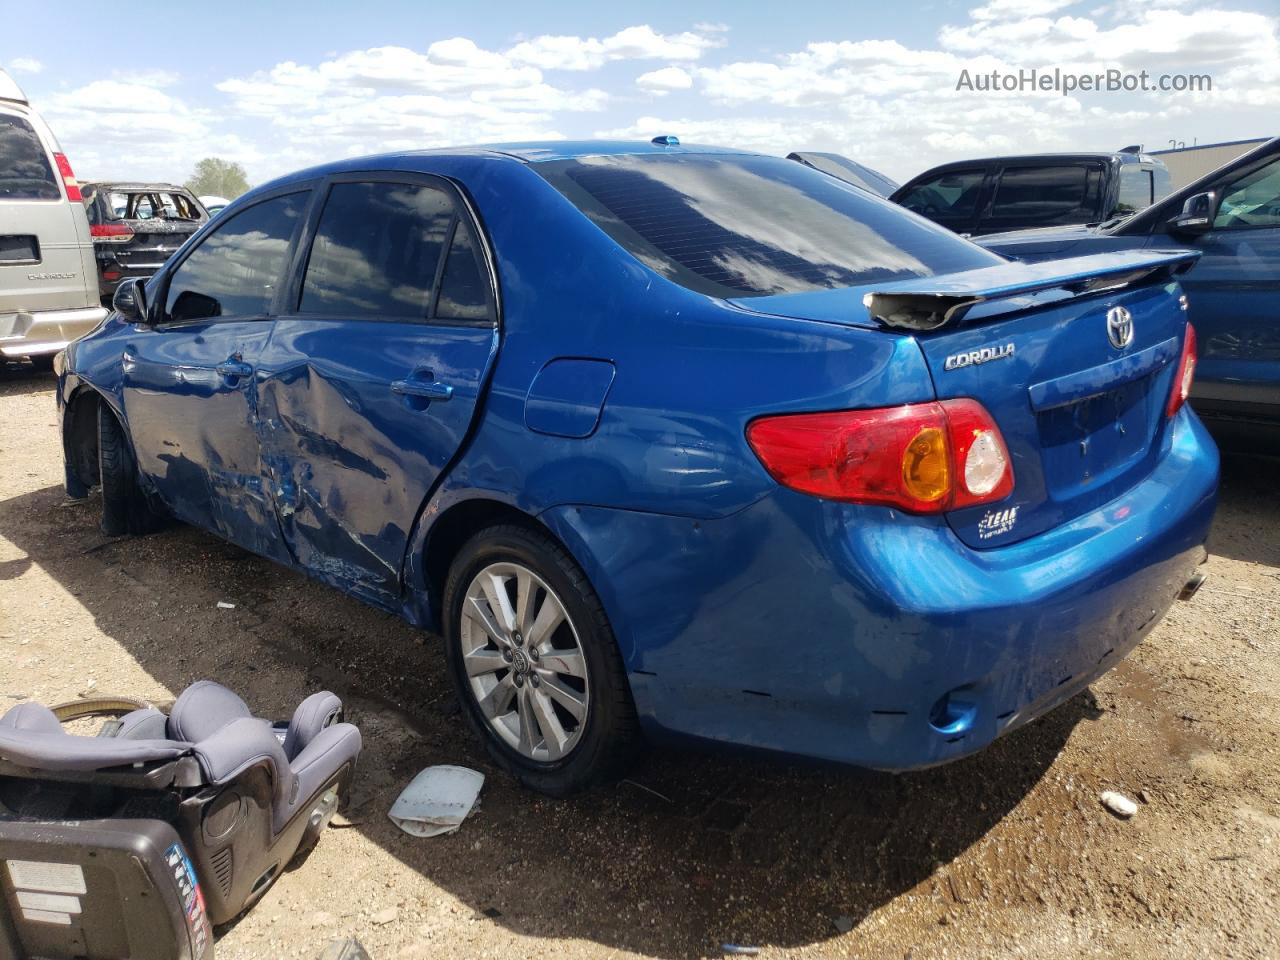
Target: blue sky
280	86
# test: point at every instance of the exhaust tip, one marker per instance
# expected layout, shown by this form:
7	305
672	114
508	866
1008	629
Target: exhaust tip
1192	586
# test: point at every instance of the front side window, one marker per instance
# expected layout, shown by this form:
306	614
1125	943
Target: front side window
948	196
1137	190
25	172
1048	196
376	250
737	225
1252	201
235	270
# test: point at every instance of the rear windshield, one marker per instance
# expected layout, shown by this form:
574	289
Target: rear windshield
25	173
741	226
149	205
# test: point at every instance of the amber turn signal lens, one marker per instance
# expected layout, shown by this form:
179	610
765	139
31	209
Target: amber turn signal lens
926	473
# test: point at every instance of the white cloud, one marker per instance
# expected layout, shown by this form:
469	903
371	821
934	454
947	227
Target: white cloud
25	65
392	98
589	53
1017	9
665	80
102	123
147	78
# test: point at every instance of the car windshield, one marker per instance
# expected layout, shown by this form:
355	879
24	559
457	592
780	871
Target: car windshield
739	225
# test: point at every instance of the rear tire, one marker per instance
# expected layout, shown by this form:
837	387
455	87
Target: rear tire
125	507
566	720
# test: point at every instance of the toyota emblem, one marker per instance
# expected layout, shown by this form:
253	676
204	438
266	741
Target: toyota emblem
1119	327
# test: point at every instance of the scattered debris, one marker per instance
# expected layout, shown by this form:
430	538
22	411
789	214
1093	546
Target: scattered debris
843	923
1119	804
739	950
89	687
223	605
641	786
348	949
492	912
437	800
1144	796
383	917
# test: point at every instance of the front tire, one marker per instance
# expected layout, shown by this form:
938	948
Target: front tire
125	507
534	663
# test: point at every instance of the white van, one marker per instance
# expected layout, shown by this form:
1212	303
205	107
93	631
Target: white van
48	275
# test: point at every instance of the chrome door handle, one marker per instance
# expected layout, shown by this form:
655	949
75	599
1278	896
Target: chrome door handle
234	368
427	389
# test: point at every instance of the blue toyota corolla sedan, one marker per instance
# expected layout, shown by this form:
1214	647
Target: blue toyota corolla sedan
668	441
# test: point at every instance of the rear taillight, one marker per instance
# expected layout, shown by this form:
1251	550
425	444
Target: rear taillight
110	233
1186	374
923	458
68	178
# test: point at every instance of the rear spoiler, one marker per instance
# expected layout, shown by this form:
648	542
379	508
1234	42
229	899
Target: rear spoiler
931	303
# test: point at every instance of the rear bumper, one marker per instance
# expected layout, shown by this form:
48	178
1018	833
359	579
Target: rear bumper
832	631
123	271
46	331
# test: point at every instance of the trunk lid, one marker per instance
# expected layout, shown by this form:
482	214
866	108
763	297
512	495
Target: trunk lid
1079	403
154	241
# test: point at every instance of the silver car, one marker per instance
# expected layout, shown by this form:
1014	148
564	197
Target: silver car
48	276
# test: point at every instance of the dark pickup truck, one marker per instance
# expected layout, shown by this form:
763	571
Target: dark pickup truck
136	227
976	197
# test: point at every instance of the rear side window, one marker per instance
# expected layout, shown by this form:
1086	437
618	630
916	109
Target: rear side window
1137	190
380	253
741	225
462	287
25	172
235	270
1046	196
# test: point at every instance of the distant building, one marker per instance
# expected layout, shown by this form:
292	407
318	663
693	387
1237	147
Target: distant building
1187	164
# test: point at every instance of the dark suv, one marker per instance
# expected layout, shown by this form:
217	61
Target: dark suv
136	226
974	197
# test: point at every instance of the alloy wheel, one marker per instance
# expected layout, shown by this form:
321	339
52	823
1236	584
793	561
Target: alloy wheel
524	662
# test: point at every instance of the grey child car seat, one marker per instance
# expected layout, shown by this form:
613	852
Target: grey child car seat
243	795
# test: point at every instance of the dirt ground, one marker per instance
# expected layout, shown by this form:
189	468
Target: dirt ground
1007	854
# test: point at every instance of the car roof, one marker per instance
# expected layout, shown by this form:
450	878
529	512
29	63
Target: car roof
527	152
1034	158
131	185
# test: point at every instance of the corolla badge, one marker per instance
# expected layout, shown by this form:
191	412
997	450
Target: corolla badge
981	355
1119	327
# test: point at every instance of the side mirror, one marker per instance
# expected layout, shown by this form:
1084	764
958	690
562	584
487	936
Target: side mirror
1197	216
130	300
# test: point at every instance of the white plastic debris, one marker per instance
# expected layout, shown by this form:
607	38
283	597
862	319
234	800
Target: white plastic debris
1119	804
437	800
223	605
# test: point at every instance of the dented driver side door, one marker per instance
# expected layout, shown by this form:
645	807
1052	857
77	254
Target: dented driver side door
190	378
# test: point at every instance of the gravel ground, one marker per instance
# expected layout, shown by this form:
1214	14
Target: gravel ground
1007	854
